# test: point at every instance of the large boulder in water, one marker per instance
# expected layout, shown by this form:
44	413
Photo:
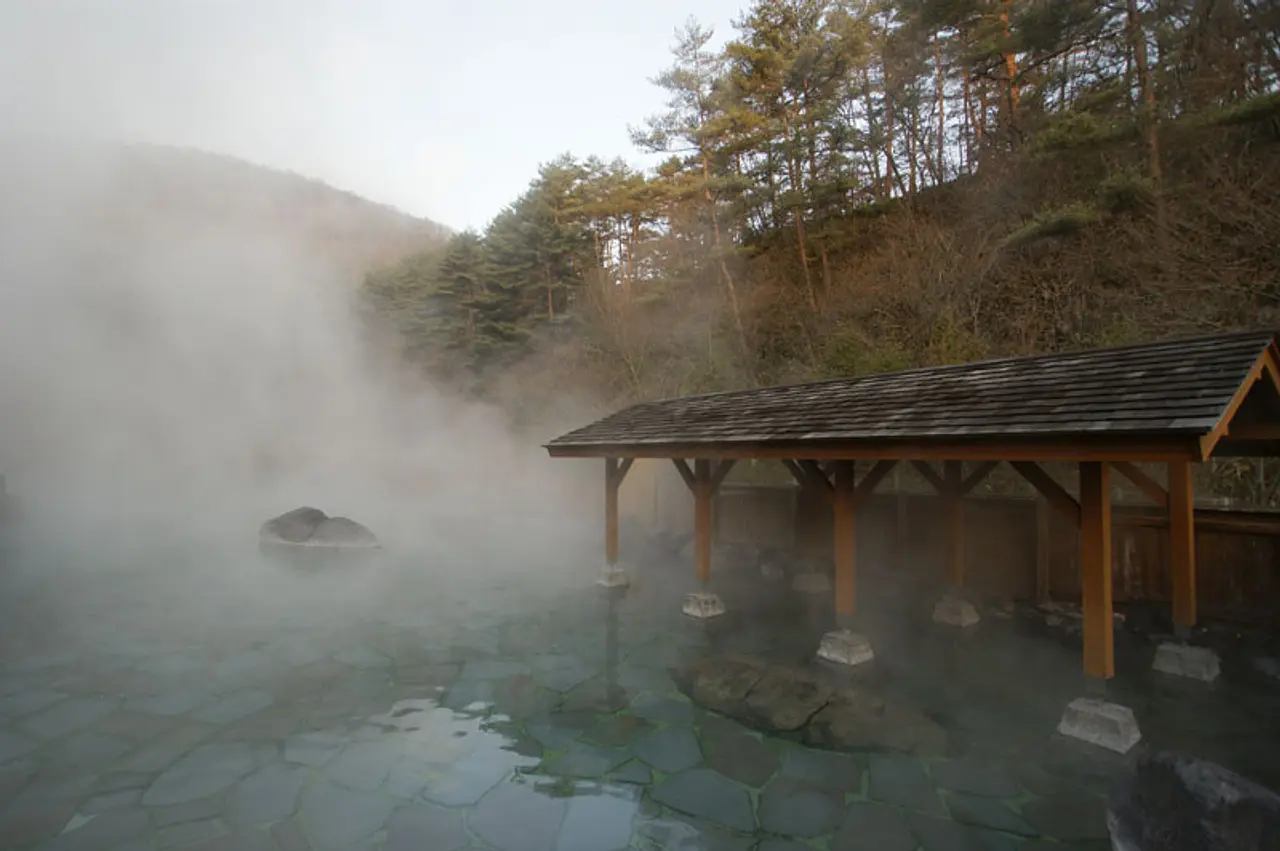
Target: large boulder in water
1173	802
293	527
307	537
803	703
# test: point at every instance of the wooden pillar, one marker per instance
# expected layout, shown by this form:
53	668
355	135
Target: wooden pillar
1182	544
1095	570
953	476
844	543
702	491
1043	541
611	484
900	527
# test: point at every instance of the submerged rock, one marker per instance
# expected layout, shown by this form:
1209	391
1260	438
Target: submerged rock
809	705
1173	802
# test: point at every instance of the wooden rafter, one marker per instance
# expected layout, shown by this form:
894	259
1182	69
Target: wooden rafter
817	476
1271	367
1256	374
1142	482
618	471
930	476
862	492
721	470
1056	495
682	467
976	477
797	472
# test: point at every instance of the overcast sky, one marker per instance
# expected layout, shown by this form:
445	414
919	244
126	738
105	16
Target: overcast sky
443	108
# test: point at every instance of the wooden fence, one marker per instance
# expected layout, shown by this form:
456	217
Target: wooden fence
1019	548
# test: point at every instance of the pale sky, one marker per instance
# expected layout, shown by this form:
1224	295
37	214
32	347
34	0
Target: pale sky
443	109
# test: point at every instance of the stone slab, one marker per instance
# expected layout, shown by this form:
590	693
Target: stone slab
845	647
1185	660
702	605
1108	725
955	611
612	576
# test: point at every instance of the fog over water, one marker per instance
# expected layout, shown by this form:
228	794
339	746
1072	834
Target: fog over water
171	380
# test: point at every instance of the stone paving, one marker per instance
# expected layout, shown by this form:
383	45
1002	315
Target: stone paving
519	712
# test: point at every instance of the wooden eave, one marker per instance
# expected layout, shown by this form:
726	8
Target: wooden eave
1249	422
1184	447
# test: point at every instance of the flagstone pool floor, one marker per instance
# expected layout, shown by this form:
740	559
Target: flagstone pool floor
528	713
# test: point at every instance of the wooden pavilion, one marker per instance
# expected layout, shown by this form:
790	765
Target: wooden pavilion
1176	403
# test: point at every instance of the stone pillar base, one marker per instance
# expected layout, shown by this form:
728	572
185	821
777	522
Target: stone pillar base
952	610
1097	722
811	583
702	604
845	647
1183	660
612	576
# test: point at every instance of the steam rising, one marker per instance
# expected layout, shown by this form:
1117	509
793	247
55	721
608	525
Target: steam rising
170	380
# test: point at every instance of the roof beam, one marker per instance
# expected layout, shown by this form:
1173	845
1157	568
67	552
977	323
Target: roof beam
1177	448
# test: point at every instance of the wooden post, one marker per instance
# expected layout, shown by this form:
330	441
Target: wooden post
1095	570
1042	549
1182	544
900	528
702	491
612	481
844	541
953	476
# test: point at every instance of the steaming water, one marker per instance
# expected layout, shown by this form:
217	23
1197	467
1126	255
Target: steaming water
167	385
433	698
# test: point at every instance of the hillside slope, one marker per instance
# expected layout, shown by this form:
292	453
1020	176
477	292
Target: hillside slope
131	193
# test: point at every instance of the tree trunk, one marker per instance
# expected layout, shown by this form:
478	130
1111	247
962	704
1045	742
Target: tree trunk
1011	77
729	285
888	142
793	176
941	157
1150	123
871	132
969	124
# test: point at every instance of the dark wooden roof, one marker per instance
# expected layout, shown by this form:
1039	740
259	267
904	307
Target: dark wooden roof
1173	388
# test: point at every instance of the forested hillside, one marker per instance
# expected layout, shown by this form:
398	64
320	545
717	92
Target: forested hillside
859	185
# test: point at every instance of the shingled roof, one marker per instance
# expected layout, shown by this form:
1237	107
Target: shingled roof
1173	388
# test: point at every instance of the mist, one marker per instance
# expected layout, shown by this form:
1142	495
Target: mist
170	381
